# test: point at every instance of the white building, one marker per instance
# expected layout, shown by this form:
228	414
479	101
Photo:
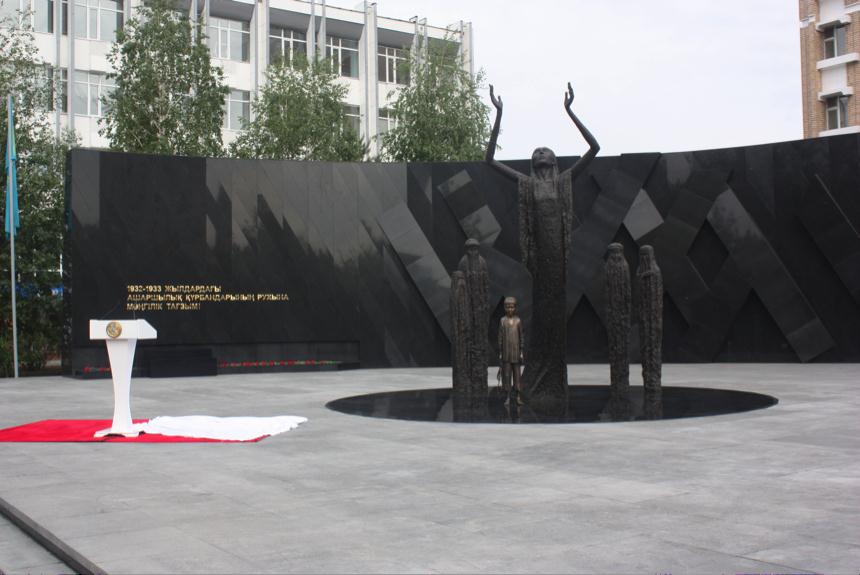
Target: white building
244	36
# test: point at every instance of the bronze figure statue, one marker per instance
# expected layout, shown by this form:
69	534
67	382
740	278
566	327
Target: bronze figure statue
474	267
649	281
459	334
617	290
470	287
546	223
511	344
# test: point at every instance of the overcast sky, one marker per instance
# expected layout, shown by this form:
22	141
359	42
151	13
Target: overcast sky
649	76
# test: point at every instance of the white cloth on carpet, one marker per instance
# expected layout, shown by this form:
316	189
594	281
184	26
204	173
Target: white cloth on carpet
224	428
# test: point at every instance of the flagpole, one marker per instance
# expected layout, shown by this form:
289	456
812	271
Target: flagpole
11	221
14	307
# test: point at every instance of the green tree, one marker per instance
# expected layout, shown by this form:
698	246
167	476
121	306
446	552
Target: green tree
299	115
41	176
439	116
168	97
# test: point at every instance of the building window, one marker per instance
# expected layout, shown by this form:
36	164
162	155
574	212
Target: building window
98	19
237	110
43	16
384	121
393	67
230	39
834	42
837	112
39	14
60	91
343	54
57	83
12	9
89	93
353	118
284	44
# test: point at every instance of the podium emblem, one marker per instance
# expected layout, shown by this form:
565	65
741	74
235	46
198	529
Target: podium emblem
114	329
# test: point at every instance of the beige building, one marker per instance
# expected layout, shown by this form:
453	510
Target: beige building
829	56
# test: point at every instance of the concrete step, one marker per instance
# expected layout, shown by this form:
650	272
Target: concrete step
20	554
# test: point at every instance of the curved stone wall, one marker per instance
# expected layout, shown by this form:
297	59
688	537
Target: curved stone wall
758	245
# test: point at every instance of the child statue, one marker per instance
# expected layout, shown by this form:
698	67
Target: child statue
511	345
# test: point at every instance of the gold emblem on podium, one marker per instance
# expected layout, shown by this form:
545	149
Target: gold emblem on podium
114	329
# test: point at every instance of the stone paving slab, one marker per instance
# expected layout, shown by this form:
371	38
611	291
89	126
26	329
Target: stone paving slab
775	490
20	554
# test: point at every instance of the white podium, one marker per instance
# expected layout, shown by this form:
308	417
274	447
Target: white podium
121	338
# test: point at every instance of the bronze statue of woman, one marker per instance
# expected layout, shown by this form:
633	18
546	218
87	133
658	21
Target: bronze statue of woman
546	223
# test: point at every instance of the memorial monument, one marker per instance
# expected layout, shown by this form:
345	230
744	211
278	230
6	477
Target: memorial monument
649	282
511	344
546	217
459	332
469	321
617	293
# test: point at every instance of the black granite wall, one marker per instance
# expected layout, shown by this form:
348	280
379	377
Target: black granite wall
759	250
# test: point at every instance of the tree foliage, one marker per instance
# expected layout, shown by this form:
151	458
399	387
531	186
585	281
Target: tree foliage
439	115
41	177
299	115
168	97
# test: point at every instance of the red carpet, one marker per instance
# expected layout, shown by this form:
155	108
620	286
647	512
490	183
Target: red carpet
82	430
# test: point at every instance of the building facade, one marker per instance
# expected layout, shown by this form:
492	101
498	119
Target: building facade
244	36
829	55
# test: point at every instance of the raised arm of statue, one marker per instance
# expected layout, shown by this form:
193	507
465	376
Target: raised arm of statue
491	147
593	146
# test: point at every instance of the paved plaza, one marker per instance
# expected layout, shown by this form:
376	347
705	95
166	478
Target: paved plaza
769	491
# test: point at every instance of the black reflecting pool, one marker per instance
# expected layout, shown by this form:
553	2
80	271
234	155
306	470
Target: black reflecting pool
587	404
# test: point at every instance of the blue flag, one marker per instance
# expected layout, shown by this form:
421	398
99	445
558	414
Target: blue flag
12	221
